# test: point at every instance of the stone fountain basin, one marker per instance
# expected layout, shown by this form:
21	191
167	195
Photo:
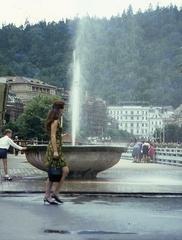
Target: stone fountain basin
84	161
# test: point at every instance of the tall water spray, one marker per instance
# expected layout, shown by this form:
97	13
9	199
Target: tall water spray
75	97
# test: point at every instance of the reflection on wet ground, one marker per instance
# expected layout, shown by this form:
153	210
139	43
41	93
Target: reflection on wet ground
91	217
90	232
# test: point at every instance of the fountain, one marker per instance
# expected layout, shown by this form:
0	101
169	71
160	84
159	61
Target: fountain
75	97
84	161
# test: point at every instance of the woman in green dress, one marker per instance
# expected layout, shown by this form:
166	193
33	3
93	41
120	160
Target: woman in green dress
54	154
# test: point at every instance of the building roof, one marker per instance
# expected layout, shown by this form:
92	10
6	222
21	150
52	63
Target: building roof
25	80
170	119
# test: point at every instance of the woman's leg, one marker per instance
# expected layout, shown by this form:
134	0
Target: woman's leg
65	171
145	158
48	190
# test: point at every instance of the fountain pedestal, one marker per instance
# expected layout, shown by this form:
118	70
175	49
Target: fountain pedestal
84	161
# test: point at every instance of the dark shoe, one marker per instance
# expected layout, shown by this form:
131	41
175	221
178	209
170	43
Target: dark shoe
8	178
51	203
56	198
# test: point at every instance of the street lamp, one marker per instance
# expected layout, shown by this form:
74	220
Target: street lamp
163	133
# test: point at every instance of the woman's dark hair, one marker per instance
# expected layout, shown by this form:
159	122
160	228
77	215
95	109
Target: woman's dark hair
53	114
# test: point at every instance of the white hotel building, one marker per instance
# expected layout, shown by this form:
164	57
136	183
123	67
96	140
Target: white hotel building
142	121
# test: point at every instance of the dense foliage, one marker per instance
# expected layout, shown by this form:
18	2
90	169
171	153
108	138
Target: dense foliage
126	58
30	124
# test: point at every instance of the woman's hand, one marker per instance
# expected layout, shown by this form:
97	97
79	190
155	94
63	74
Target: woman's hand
56	155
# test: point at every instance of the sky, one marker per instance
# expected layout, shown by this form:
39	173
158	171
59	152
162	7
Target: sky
18	11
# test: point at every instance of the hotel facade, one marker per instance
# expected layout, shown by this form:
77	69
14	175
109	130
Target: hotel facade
141	121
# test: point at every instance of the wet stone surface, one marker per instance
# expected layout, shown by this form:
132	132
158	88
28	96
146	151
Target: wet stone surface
124	177
87	217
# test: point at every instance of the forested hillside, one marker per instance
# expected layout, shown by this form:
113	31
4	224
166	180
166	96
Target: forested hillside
126	58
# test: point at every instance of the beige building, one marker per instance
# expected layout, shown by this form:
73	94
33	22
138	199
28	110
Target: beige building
14	107
141	121
27	88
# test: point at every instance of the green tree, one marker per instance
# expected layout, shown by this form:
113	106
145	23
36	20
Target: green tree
129	57
172	133
118	135
31	121
6	71
11	125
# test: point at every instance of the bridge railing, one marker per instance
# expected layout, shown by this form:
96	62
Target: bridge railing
165	155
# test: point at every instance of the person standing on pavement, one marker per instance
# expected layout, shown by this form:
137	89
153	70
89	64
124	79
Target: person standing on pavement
5	143
53	126
145	149
151	153
136	152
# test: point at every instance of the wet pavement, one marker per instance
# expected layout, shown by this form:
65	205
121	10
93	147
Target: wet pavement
89	217
124	178
128	201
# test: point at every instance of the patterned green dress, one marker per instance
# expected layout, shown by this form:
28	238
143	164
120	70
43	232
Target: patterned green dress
60	162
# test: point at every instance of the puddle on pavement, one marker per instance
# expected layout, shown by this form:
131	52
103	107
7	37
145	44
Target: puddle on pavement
85	232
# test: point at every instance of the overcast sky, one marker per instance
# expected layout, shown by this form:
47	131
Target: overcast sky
17	11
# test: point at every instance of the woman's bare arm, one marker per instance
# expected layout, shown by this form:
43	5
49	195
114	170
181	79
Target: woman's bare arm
53	137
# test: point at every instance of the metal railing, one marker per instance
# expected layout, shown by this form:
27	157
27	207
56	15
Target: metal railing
165	155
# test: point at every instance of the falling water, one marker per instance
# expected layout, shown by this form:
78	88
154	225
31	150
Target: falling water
75	97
